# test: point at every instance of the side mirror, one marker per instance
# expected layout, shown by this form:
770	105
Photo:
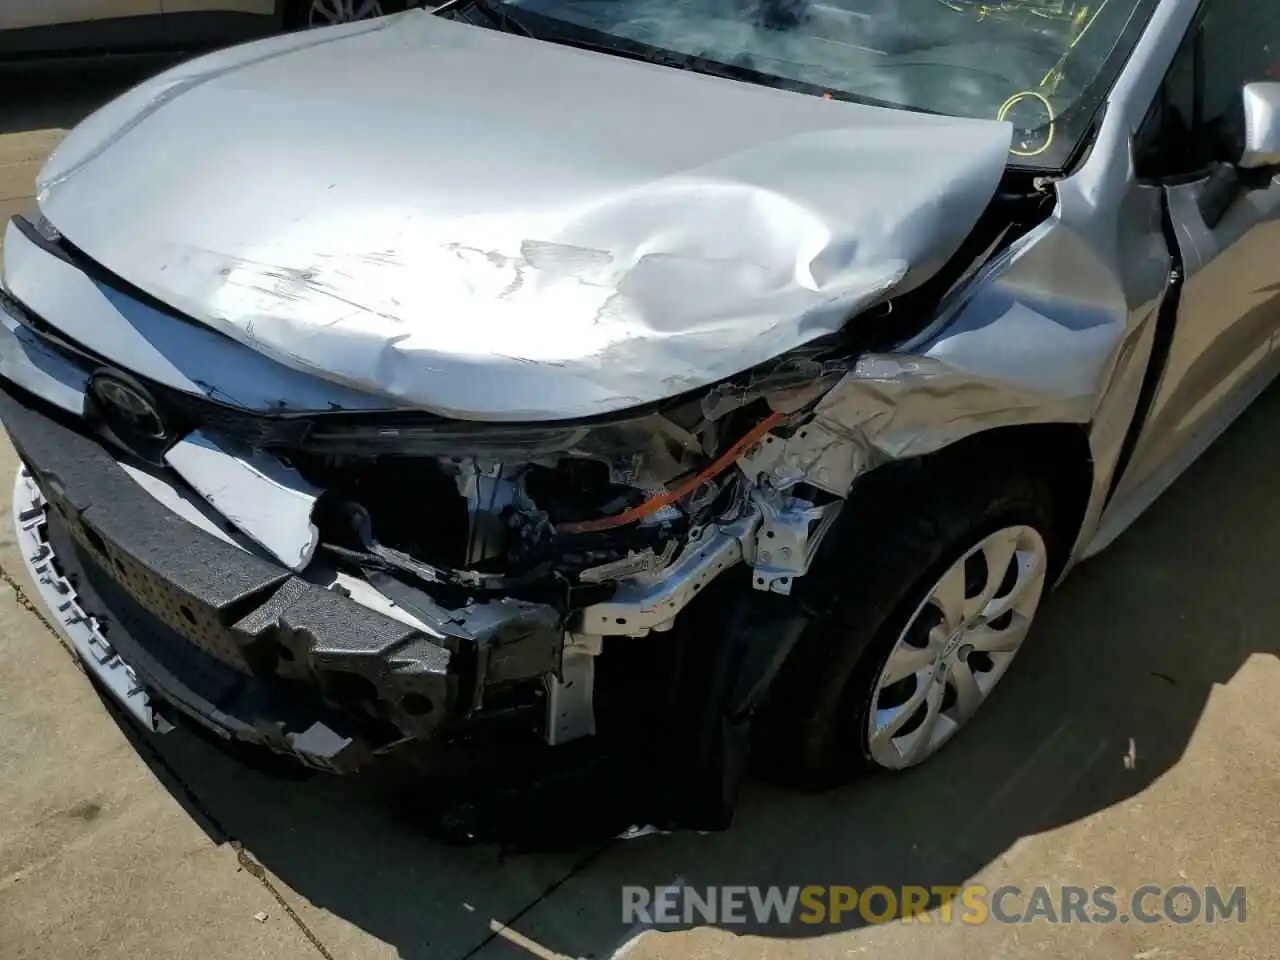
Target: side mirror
1259	162
1261	128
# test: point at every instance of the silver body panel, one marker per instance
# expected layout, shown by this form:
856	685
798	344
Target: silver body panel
142	338
567	234
581	249
1262	125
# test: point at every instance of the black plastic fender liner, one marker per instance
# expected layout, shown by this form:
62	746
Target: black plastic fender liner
746	637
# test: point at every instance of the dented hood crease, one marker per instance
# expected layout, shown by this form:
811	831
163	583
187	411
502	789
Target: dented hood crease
495	227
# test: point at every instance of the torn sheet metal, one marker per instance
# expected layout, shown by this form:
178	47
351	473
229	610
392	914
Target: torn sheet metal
262	497
652	602
550	240
1029	342
643	563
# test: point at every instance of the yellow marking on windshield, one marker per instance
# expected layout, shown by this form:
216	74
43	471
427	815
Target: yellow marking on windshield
1084	11
1016	99
1082	17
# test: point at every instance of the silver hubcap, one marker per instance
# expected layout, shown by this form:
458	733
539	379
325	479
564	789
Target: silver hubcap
956	646
327	12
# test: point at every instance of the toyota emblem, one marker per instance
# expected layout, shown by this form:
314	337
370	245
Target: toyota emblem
127	405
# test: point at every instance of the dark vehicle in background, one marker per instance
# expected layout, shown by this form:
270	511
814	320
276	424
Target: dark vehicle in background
42	27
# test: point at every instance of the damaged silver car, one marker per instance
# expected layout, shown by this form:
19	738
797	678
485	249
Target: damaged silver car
676	379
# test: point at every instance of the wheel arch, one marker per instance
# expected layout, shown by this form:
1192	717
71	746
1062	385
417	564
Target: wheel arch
1059	453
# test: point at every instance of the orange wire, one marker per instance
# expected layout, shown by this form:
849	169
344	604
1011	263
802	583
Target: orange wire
670	496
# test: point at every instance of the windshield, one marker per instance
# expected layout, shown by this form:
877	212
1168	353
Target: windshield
1044	65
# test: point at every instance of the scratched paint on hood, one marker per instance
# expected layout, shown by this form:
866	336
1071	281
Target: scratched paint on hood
550	233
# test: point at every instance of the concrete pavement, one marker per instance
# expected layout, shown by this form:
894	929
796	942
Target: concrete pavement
1135	742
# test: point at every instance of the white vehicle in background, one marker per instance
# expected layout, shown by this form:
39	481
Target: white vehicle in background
43	27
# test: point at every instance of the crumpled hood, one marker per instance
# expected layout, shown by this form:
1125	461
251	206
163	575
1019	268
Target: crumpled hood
494	227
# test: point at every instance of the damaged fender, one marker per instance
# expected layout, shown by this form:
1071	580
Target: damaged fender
1048	333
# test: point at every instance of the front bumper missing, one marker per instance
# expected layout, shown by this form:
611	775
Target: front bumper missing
169	617
146	669
171	620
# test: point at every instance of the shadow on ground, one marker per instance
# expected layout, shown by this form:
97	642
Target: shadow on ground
1101	704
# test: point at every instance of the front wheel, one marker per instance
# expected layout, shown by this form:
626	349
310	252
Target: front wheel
955	647
918	602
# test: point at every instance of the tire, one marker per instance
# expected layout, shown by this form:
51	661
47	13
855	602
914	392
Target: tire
304	14
902	528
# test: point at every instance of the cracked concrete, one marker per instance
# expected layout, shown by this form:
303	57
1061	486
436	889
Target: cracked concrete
1135	742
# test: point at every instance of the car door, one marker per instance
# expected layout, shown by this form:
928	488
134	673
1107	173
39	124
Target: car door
1216	351
22	14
